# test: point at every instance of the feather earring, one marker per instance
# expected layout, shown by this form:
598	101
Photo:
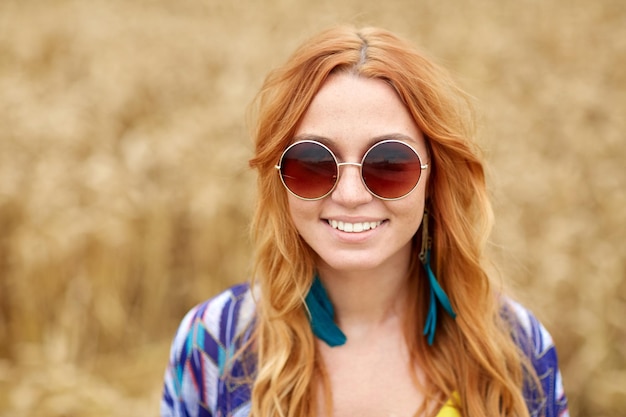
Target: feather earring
322	315
437	294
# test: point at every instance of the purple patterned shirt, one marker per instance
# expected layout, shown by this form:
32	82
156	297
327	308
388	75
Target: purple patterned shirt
197	385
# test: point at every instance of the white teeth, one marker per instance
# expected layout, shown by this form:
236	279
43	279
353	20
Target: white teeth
353	227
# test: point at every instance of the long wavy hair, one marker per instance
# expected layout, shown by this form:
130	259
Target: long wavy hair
474	355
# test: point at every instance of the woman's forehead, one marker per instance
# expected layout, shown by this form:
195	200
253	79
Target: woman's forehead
352	111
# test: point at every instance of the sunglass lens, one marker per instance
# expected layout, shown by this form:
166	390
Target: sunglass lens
308	170
391	169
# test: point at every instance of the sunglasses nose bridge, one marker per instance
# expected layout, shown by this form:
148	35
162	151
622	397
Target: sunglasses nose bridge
354	164
349	192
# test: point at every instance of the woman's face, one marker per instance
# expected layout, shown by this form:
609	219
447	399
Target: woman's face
349	114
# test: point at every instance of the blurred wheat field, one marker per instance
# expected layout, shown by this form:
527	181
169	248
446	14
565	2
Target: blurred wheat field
125	195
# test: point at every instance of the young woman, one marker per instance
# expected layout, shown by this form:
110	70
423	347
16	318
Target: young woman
369	295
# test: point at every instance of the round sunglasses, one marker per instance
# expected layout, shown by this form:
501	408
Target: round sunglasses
390	169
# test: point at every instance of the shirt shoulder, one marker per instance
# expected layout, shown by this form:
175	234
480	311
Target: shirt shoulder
207	338
536	343
223	317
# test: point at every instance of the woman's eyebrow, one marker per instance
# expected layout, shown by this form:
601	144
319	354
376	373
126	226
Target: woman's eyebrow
393	136
307	136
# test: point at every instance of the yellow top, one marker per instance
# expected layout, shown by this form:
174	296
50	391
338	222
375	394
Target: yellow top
449	409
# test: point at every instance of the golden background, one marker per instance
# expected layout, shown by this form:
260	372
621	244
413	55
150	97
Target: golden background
125	194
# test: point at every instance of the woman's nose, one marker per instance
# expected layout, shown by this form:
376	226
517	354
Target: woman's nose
350	190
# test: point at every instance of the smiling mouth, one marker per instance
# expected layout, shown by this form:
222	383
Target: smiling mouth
353	227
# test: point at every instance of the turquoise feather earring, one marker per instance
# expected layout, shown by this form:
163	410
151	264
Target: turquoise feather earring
437	294
322	315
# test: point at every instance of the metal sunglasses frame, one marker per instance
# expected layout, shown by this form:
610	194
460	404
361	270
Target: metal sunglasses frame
423	166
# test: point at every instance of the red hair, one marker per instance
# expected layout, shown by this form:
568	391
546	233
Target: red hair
474	355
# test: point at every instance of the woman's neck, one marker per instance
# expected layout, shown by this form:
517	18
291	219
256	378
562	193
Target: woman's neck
366	300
